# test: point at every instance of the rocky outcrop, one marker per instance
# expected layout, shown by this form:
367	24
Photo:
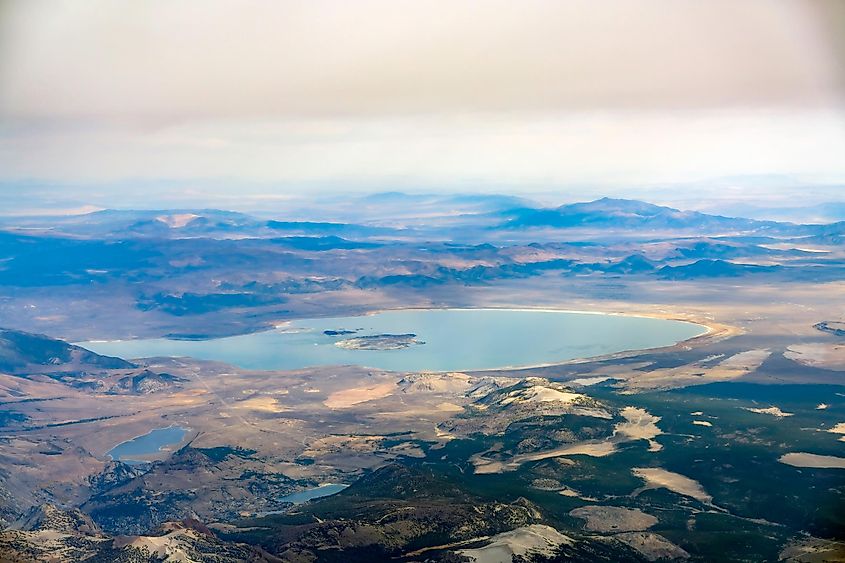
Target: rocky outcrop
147	382
48	533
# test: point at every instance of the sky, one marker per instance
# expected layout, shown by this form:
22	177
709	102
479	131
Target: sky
558	96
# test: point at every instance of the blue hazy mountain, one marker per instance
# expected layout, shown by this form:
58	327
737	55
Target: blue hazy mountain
622	214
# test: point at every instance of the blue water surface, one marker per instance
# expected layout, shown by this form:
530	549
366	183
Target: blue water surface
147	444
317	492
455	340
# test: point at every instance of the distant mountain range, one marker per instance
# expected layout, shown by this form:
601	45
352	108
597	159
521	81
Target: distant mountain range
297	257
453	216
181	223
630	215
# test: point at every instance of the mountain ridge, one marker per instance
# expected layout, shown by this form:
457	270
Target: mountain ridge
623	214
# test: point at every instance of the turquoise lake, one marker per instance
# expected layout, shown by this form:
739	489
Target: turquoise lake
455	340
147	444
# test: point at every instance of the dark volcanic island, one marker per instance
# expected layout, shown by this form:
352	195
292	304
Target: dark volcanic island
340	332
380	342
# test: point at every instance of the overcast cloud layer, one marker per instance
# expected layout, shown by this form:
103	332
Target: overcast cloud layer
439	94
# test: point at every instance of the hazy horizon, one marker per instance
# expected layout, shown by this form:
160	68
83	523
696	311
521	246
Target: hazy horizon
750	197
294	98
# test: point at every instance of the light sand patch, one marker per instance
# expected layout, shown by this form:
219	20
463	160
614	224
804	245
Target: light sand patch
528	541
345	444
262	404
540	394
813	461
348	397
177	220
587	381
839	429
449	407
652	546
824	355
772	411
485	466
407	449
452	383
657	478
699	373
613	519
594	449
745	361
639	425
702	423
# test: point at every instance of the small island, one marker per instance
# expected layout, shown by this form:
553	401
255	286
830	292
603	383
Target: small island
340	332
380	342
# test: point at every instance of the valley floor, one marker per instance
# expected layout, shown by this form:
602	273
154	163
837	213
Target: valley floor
550	448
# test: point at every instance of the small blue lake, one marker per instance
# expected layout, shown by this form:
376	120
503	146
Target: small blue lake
320	491
147	444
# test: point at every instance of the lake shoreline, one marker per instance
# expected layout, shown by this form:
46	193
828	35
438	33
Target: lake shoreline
148	457
707	331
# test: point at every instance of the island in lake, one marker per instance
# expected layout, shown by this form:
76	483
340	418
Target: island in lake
380	342
340	332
